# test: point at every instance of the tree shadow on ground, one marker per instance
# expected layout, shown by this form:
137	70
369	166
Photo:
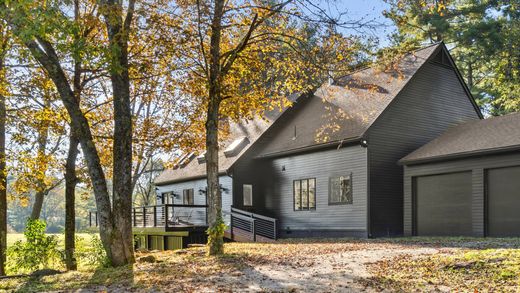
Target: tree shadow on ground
101	278
105	278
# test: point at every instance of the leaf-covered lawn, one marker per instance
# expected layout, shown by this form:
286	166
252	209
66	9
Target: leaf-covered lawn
305	265
466	270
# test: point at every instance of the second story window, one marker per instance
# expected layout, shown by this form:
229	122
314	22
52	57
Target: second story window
187	196
304	194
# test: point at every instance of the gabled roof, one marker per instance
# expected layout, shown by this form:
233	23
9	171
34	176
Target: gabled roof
353	102
250	129
487	136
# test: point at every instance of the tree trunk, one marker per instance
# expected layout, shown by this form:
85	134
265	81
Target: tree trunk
3	177
122	145
41	189
70	197
111	238
470	75
37	205
215	239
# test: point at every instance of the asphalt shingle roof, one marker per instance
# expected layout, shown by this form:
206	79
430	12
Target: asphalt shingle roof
478	137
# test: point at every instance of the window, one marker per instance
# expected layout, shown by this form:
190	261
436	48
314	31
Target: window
247	194
236	146
167	198
340	190
304	194
187	196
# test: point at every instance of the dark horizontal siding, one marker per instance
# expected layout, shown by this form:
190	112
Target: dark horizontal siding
433	101
278	193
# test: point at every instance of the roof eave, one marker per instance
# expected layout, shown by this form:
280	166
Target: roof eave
347	141
185	179
462	155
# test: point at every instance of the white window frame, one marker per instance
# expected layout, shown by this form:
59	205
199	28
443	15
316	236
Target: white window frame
250	188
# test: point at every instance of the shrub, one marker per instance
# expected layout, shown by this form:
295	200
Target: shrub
215	237
37	252
92	253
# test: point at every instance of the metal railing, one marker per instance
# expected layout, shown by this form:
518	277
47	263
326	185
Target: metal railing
255	224
164	215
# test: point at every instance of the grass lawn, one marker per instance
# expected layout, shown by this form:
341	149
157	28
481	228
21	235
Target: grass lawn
13	237
302	265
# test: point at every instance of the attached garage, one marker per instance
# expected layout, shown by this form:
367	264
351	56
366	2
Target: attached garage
503	201
443	204
466	182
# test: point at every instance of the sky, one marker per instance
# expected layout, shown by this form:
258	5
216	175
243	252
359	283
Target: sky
367	10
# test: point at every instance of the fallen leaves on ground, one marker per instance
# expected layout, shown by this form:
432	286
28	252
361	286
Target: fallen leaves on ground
467	270
295	265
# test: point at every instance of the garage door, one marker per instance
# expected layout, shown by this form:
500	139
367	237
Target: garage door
503	202
443	205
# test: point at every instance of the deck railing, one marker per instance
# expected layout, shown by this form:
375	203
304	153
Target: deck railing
164	215
255	224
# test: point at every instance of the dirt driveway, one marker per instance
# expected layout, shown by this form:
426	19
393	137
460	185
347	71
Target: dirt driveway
321	266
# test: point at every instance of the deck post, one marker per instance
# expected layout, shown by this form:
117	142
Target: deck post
230	225
135	219
97	223
166	216
90	219
253	229
274	229
144	216
155	216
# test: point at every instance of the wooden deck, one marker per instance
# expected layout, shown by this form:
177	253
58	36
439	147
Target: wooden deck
164	217
244	227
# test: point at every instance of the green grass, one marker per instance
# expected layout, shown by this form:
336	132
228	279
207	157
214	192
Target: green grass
13	237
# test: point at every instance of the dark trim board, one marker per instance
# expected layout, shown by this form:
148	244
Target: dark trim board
486	203
323	233
414	206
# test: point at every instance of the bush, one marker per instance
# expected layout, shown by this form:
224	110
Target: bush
215	237
92	253
37	252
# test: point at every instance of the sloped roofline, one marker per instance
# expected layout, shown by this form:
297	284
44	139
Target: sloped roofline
441	46
358	138
460	155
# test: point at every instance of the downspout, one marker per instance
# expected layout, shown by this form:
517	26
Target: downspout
364	144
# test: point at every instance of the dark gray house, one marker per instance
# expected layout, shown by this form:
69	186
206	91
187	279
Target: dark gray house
332	165
466	181
328	165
